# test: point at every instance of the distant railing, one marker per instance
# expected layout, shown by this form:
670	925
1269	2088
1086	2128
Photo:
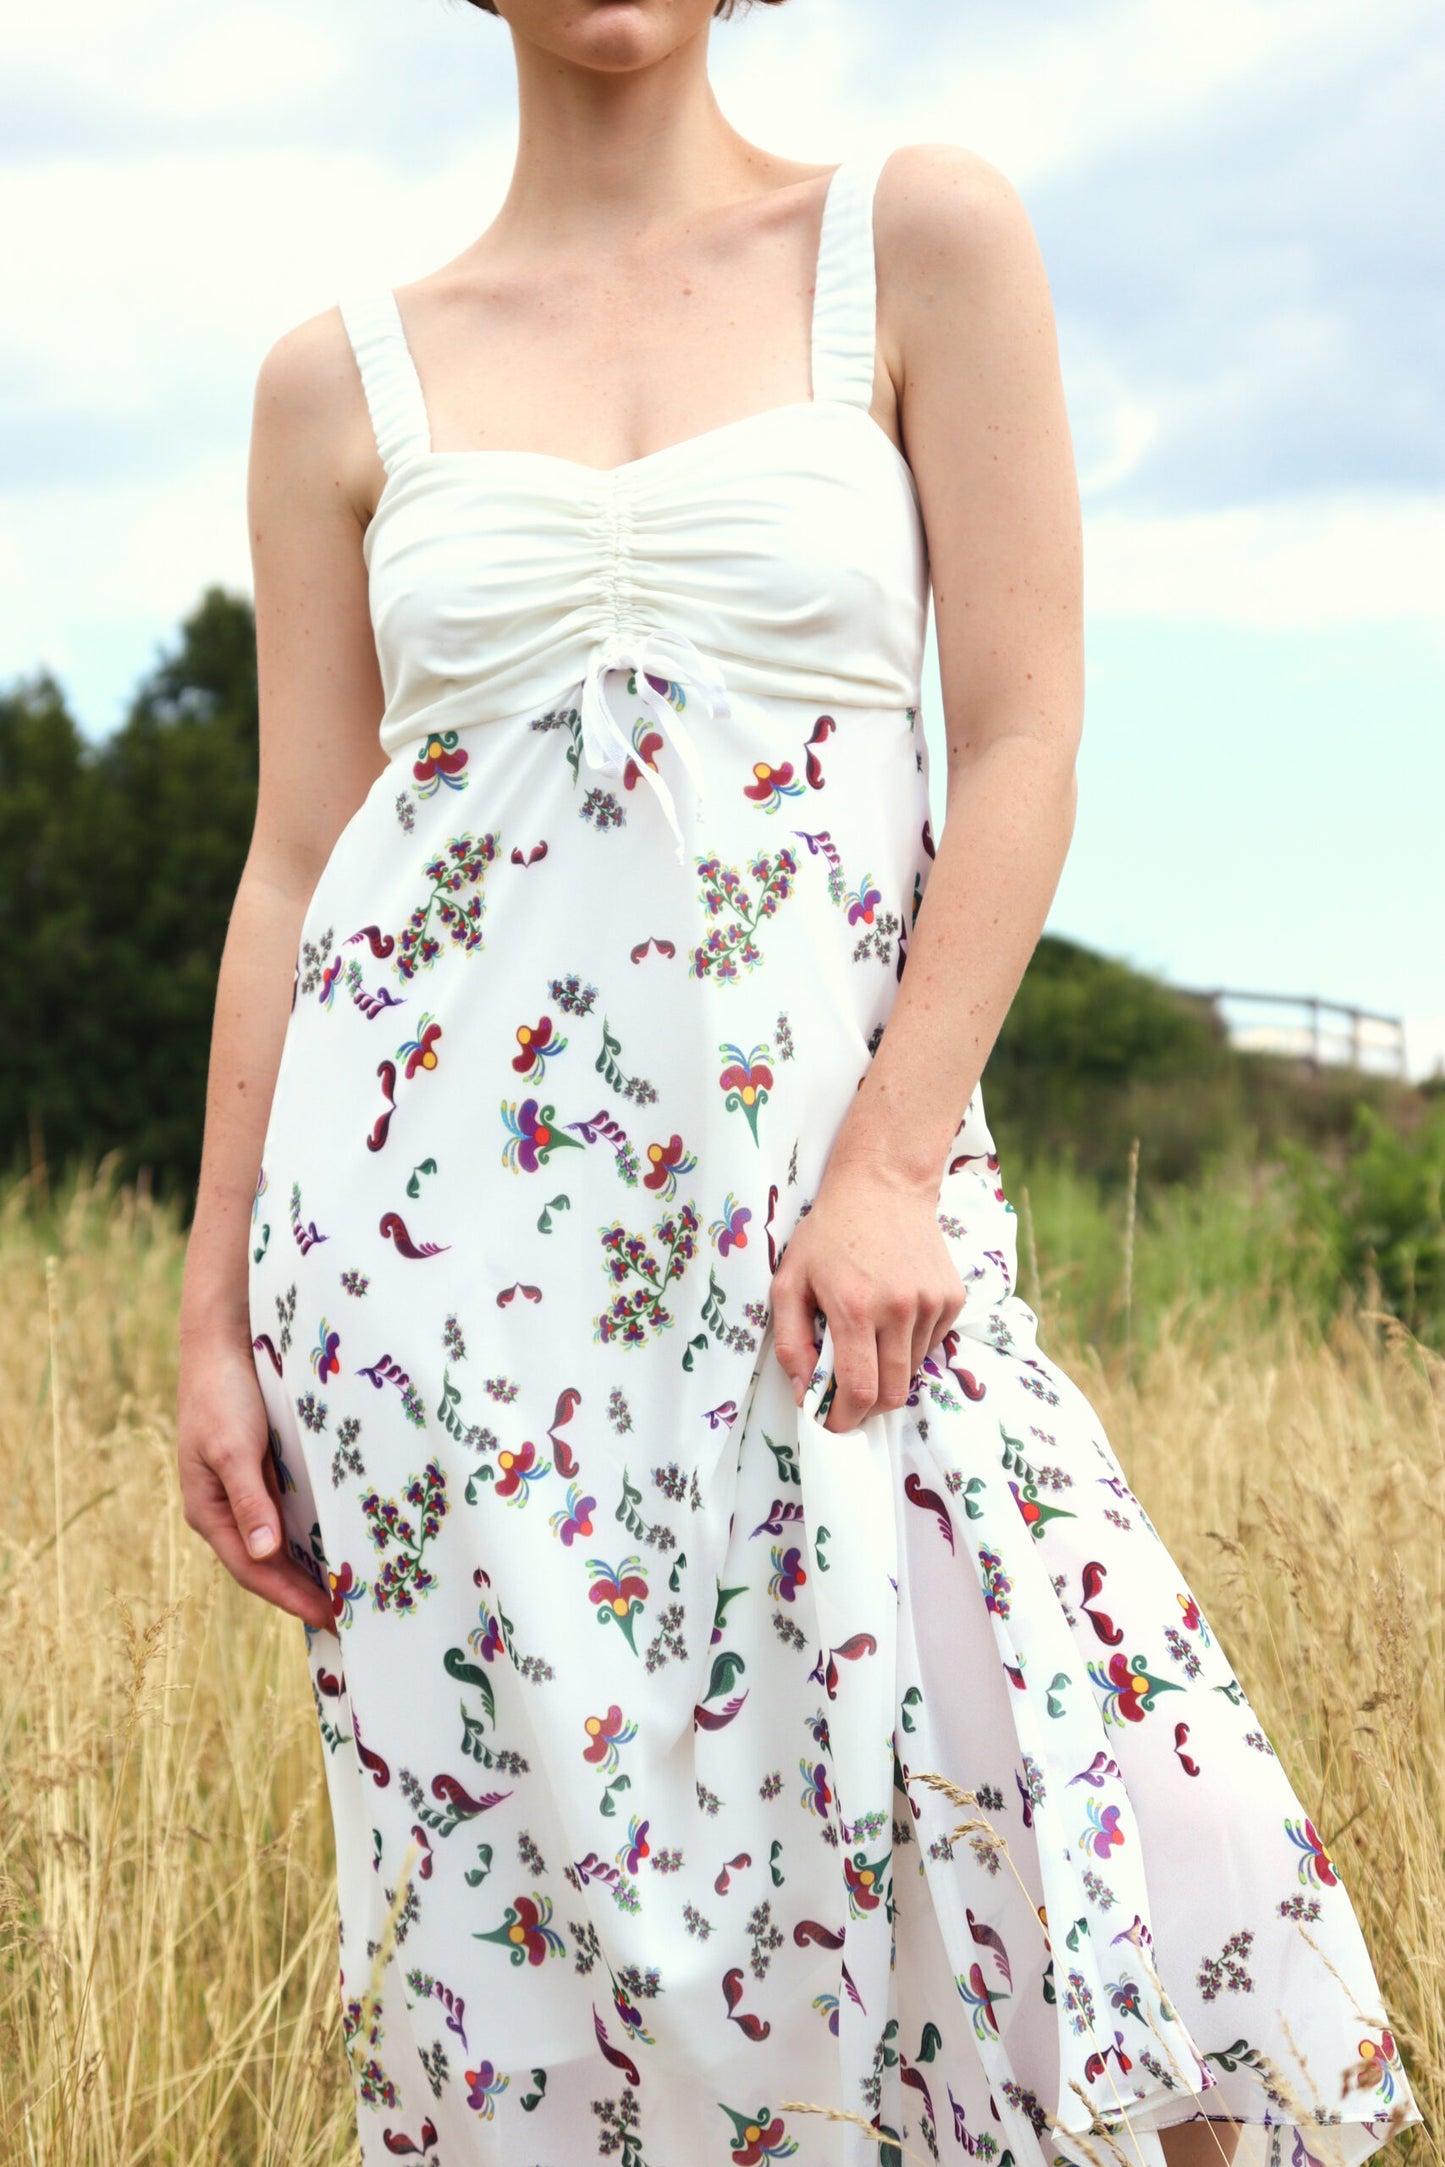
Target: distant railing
1366	1039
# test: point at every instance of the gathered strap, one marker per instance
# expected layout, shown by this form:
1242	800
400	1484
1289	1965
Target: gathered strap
388	376
845	294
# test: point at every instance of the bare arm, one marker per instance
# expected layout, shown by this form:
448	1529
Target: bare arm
312	461
987	436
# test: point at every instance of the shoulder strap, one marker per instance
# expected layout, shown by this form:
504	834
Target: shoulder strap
388	376
845	294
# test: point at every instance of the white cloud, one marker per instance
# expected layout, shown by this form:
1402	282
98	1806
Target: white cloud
1302	565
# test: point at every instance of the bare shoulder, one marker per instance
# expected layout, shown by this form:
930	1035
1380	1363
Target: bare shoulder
310	424
943	209
953	241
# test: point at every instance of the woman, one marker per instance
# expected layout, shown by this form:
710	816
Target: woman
640	1622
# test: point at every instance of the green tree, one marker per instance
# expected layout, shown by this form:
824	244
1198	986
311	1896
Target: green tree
118	868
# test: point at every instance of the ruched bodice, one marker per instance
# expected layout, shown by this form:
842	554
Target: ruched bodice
643	1677
786	546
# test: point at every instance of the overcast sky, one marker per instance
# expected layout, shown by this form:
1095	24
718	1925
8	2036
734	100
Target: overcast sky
1238	206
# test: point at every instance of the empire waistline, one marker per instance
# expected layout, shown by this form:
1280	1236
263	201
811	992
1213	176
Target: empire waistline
401	735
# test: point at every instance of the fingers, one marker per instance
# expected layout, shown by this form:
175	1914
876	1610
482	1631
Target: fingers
231	1503
895	1352
279	1580
858	1350
876	1359
793	1343
880	1340
928	1329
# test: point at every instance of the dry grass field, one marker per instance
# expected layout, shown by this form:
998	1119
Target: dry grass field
167	1951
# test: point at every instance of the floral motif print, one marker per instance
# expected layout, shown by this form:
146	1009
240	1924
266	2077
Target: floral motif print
598	1584
710	1787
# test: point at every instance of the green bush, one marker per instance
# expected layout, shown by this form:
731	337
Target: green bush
1381	1211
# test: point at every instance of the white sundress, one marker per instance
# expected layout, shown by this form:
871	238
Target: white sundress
637	1668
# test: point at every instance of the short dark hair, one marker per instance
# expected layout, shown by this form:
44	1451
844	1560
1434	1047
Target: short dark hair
724	8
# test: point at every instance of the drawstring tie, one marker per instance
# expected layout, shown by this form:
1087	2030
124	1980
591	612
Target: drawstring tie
668	667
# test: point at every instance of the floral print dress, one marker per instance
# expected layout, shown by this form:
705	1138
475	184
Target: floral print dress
639	1676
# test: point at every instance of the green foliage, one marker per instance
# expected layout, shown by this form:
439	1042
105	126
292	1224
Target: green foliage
118	868
1093	1053
1381	1211
119	865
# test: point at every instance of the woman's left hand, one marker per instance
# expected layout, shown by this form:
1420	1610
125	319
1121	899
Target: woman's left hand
872	1256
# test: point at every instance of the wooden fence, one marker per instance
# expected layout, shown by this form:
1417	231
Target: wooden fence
1301	1027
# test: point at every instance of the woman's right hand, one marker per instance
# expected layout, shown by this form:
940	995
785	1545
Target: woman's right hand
228	1478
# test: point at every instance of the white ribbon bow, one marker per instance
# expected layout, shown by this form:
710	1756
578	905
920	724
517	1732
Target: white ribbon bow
683	669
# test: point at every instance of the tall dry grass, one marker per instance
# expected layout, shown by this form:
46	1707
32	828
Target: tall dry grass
166	1911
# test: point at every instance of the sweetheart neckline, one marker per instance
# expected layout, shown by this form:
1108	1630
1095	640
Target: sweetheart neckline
428	457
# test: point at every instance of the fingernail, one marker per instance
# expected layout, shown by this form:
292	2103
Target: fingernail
261	1542
798	1388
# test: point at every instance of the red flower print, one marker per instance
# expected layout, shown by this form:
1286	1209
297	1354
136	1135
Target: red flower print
618	1595
607	1733
1315	1862
420	1052
1129	1688
649	743
525	1931
535	1041
516	1468
772	784
668	1161
439	761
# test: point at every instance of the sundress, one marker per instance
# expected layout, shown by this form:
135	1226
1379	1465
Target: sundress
638	1671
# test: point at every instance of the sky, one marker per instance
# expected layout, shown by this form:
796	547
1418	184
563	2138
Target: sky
1237	207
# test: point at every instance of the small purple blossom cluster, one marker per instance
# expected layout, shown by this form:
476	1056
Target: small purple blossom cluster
402	1541
1298	1907
602	808
570	994
1226	1972
314	956
731	945
461	866
1098	1891
346	1460
625	1320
